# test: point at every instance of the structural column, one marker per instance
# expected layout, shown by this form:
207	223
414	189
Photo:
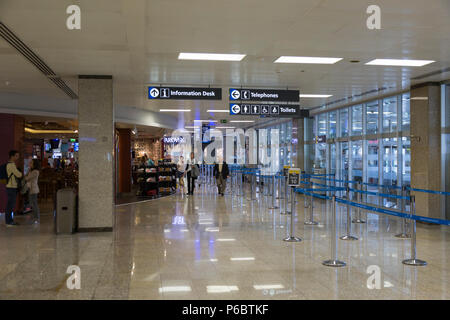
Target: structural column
96	155
425	131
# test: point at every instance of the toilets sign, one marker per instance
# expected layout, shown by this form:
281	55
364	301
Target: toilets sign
264	95
184	93
268	110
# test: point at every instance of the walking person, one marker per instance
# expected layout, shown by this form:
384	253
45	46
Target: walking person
221	173
32	179
180	173
192	172
13	176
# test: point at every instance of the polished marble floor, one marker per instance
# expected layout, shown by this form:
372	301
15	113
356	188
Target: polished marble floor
211	247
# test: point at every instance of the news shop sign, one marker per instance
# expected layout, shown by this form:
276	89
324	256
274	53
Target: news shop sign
293	177
264	95
184	93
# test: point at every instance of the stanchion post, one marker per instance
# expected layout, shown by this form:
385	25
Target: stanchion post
404	233
280	196
307	180
358	218
274	206
291	237
311	221
348	236
333	262
413	261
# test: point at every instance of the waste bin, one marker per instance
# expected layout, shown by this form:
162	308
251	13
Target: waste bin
66	211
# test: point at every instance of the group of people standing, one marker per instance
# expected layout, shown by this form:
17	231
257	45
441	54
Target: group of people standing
17	182
191	170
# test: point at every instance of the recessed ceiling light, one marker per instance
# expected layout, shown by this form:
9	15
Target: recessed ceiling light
399	62
211	56
218	110
242	121
315	95
313	60
175	110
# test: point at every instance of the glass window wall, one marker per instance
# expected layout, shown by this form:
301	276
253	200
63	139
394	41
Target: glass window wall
390	114
357	127
343	122
332	122
372	118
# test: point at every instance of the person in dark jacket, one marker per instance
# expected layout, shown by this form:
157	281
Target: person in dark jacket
221	173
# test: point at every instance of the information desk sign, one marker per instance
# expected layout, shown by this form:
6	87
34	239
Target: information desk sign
294	177
184	93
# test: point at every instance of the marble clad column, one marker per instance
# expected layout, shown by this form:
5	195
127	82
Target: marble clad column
96	155
426	147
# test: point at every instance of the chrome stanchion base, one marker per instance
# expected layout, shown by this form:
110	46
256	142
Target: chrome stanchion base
403	236
292	239
358	221
334	263
347	237
273	208
311	223
414	262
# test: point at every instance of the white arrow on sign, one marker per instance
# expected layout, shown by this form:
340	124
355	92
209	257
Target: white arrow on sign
235	94
235	109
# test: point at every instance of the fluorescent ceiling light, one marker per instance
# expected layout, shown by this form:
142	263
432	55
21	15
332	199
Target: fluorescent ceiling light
219	110
313	60
175	289
213	260
315	95
175	110
205	120
268	286
211	56
242	121
225	127
212	229
243	259
419	98
221	289
399	62
226	239
192	127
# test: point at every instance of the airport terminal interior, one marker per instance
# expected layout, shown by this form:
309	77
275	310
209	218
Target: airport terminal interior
233	150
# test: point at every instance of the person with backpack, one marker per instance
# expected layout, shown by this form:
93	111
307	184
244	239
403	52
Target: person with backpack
32	181
13	176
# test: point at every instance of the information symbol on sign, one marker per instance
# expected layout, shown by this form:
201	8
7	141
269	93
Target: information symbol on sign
255	109
235	109
274	110
245	109
245	94
165	93
154	93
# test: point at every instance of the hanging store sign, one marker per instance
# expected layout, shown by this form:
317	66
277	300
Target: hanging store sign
265	95
268	110
184	93
173	140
